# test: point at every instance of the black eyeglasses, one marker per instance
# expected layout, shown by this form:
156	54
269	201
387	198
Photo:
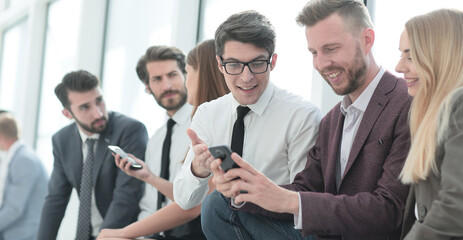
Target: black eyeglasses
256	66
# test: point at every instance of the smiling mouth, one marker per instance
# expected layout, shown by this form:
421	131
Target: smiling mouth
333	75
411	80
247	88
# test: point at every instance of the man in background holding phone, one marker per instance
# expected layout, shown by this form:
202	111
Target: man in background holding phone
270	127
108	198
162	71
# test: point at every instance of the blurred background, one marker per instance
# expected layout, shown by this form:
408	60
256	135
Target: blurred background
41	40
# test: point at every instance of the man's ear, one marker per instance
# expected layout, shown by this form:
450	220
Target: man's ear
273	63
219	63
368	37
67	113
147	88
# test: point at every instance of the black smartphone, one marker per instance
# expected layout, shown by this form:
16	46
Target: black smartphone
223	152
118	150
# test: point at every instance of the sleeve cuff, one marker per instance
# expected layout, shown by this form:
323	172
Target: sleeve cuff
298	217
235	205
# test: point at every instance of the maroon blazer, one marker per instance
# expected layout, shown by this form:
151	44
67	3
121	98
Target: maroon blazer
370	201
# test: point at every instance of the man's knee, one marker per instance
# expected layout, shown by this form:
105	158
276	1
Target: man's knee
213	202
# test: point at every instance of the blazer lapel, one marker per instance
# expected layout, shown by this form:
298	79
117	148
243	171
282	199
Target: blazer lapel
376	105
75	158
330	178
102	149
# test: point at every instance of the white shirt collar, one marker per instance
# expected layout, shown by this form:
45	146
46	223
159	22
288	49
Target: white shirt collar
84	136
261	104
361	103
183	114
13	149
4	166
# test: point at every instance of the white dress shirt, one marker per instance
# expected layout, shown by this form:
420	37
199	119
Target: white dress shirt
178	150
353	115
96	217
5	159
279	131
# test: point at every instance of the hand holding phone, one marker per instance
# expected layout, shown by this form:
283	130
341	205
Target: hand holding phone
223	152
118	150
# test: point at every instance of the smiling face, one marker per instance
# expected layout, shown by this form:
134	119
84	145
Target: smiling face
406	65
88	109
246	87
166	84
339	56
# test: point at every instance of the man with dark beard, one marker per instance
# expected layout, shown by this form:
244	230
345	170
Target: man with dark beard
349	188
108	198
162	71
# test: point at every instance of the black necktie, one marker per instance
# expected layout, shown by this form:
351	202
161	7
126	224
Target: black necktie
165	159
238	130
85	197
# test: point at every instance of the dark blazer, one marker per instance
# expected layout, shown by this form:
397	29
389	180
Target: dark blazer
116	194
24	194
370	201
439	199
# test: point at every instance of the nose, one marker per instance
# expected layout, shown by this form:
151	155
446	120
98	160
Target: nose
168	83
97	111
400	67
247	75
320	62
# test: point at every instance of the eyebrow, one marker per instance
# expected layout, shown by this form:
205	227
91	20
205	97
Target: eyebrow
234	59
406	50
325	46
156	76
83	105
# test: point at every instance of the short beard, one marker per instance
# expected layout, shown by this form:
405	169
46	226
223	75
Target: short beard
171	106
91	128
356	75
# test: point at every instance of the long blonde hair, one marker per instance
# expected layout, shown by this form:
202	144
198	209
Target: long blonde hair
436	46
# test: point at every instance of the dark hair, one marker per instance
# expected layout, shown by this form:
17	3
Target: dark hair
159	53
246	27
211	83
77	81
354	12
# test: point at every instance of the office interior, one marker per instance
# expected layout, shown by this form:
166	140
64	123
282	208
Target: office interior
41	40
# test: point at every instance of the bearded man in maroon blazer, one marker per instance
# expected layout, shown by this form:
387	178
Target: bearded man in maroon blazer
349	188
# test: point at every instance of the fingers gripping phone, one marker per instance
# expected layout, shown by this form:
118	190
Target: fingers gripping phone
223	152
118	150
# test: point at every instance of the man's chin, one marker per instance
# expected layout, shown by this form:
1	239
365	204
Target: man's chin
99	129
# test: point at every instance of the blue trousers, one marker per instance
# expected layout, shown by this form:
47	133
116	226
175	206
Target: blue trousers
219	221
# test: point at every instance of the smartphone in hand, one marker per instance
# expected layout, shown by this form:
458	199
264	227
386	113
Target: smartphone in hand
223	152
118	150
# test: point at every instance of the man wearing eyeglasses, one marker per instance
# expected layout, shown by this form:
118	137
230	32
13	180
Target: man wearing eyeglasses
279	127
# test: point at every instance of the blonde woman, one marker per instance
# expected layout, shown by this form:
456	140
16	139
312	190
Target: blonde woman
431	61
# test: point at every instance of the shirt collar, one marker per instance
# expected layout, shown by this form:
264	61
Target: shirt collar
183	114
10	153
84	136
362	101
261	104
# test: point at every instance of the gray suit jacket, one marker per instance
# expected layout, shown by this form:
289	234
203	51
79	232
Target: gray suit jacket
439	199
117	194
25	190
370	200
